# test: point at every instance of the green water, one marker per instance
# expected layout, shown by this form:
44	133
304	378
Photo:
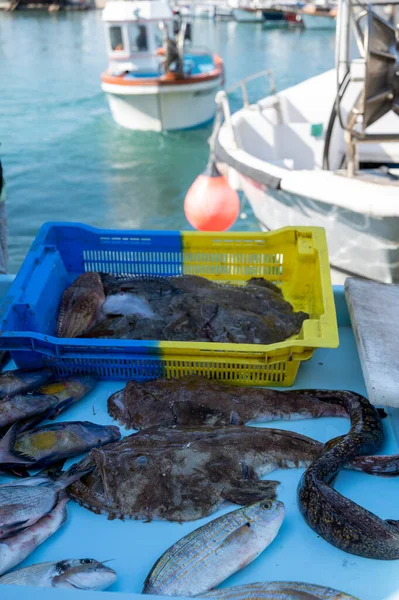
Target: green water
65	159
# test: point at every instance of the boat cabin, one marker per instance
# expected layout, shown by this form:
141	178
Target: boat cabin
135	32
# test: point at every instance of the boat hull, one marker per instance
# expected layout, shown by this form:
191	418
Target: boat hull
318	21
248	16
358	244
159	108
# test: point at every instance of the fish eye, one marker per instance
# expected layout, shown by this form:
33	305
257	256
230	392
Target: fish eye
266	505
86	561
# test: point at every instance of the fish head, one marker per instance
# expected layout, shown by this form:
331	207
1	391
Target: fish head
93	433
82	315
83	574
266	518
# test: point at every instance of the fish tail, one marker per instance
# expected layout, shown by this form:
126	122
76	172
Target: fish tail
385	466
8	454
72	474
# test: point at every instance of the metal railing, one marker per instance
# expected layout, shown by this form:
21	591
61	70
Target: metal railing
223	103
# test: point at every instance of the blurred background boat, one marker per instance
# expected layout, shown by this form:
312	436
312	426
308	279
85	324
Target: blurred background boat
153	82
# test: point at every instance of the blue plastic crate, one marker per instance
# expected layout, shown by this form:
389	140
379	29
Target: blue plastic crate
294	258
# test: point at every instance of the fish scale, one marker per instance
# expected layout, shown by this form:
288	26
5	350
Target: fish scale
213	552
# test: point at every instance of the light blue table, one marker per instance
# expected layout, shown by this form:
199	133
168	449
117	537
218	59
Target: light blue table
297	554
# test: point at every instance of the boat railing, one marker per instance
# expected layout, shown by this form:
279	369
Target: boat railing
223	102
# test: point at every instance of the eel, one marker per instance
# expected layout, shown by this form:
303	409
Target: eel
338	520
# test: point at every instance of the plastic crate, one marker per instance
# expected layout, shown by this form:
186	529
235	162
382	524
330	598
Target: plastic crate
294	258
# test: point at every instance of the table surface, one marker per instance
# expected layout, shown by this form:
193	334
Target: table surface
297	554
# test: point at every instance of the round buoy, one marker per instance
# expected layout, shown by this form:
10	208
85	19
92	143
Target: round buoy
211	204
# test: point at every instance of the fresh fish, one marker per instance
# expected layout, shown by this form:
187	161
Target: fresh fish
185	474
22	406
23	506
80	305
14	549
20	381
67	390
51	443
196	400
75	574
335	518
278	590
209	555
183	308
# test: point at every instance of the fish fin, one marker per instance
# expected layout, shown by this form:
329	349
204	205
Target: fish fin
383	466
53	472
10	456
13	528
382	413
238	536
247	492
393	523
71	475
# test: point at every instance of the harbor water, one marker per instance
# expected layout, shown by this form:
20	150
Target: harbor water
63	156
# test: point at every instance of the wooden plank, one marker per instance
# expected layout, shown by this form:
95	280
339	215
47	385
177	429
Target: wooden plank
374	313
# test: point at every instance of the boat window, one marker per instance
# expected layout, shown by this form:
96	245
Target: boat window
159	34
116	39
138	38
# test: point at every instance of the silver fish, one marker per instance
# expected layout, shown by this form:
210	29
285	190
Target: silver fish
207	556
76	574
21	380
15	549
278	590
22	506
51	443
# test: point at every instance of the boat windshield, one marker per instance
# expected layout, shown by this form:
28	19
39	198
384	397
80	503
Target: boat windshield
116	38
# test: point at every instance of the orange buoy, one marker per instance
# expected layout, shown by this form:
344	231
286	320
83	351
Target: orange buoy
211	204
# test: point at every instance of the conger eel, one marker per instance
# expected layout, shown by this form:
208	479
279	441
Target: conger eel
335	518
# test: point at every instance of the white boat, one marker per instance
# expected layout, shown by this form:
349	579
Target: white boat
326	152
152	82
319	16
245	11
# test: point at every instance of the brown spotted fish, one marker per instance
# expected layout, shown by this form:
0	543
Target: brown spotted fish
183	474
184	308
195	400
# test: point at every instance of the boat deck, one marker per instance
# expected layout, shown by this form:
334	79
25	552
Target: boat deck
194	64
297	554
386	176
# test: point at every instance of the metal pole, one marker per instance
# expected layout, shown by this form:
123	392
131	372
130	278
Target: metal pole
342	58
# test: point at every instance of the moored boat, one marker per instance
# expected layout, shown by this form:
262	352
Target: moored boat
152	81
326	152
319	16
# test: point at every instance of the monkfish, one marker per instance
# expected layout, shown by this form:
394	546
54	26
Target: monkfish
184	474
